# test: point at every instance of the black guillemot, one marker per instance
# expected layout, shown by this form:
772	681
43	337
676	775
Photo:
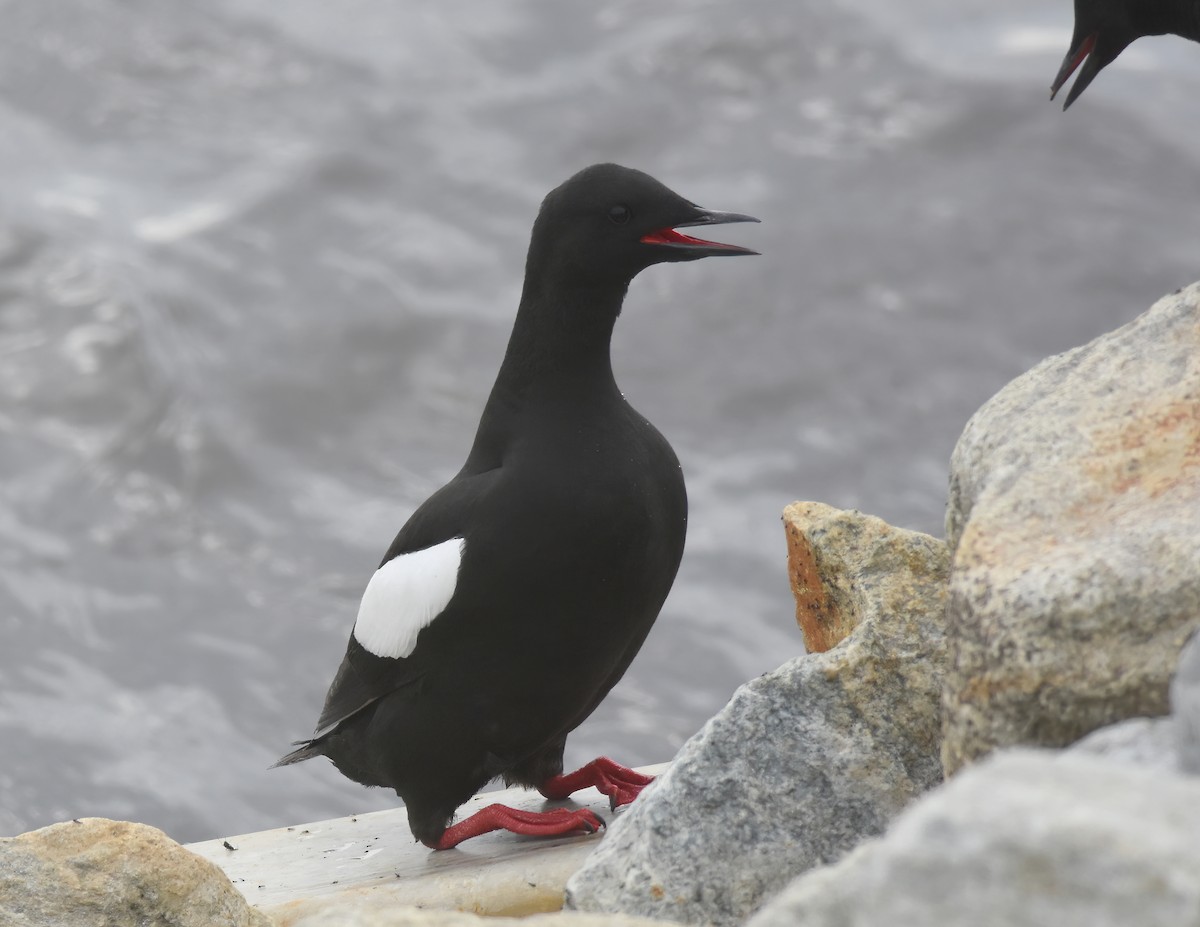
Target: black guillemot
517	595
1105	28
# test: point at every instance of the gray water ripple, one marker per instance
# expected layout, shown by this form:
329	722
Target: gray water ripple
257	269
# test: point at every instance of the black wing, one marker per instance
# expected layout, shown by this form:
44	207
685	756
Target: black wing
363	677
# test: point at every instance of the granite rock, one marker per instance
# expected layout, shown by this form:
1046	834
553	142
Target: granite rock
1185	704
1029	838
1075	495
100	873
1170	744
843	565
803	762
1146	742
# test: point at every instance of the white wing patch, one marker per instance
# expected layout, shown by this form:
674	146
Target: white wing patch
405	595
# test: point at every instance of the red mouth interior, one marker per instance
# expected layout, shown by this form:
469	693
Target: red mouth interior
1084	50
672	237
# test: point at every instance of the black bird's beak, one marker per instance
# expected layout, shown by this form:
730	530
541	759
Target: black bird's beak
1081	52
698	247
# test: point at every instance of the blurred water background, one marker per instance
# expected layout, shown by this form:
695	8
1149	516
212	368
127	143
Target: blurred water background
258	262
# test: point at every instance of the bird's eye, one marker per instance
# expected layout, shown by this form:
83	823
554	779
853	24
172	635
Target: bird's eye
619	214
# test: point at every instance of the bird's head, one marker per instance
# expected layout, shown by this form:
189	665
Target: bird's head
1104	29
608	223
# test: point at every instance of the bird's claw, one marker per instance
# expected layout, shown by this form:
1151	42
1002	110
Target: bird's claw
591	822
555	823
620	783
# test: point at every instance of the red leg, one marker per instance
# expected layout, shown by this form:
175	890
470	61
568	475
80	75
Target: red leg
620	783
533	823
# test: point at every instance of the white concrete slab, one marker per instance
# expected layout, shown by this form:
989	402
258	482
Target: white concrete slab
373	857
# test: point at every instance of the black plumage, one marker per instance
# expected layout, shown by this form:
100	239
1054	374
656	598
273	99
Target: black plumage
1105	28
571	511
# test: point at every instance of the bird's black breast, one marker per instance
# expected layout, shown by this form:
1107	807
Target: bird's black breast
594	512
567	563
572	540
605	497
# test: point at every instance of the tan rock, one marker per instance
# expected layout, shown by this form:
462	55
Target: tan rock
1074	515
100	873
844	564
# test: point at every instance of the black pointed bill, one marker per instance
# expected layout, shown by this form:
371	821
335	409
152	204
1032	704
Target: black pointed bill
1076	57
698	247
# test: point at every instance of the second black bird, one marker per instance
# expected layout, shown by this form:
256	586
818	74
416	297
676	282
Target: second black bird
1105	28
516	596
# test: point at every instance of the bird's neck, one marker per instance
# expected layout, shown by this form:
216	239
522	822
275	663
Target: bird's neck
557	363
560	340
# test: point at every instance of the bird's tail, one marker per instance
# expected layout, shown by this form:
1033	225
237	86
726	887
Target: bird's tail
306	750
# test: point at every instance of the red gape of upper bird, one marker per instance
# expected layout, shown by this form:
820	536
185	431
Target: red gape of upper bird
1105	28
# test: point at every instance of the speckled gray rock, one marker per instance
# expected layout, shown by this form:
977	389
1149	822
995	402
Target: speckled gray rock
1185	705
1169	744
1146	742
1035	839
802	763
101	873
1074	504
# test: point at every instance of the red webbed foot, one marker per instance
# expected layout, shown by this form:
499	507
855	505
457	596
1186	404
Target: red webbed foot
620	783
531	823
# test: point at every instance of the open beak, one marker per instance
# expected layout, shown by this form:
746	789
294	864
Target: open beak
698	247
1082	53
